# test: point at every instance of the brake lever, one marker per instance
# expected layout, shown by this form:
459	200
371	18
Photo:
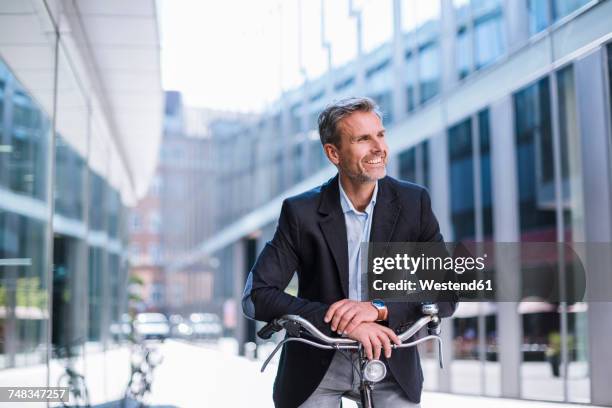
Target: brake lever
278	346
433	327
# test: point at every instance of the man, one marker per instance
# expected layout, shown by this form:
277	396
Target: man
318	236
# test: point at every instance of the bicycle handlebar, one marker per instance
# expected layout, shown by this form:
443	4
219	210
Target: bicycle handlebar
295	326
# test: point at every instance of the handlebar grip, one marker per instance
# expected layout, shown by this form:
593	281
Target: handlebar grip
269	329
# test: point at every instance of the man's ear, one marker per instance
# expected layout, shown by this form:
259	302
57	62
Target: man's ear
332	153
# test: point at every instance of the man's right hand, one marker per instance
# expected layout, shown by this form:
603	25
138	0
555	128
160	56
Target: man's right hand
374	337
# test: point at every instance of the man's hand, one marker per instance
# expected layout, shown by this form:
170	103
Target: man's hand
375	337
345	315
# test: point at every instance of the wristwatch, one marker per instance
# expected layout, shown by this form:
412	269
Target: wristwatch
381	307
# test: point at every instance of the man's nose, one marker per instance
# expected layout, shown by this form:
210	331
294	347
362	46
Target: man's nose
378	145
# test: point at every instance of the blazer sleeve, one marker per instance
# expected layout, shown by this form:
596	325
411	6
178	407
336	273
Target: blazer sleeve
402	313
273	271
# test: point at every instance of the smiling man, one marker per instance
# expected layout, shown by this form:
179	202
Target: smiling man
319	236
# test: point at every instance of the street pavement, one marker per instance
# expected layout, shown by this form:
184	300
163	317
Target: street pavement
212	375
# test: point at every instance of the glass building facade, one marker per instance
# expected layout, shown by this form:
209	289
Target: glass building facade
97	263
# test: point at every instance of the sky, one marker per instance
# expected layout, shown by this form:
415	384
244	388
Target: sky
239	54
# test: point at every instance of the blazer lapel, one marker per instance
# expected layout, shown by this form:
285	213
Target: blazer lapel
386	213
333	227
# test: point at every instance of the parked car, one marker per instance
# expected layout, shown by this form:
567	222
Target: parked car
151	326
180	327
206	326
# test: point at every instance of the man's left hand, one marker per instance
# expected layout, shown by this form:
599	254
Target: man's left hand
347	314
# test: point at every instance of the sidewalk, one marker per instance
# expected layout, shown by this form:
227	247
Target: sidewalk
198	376
212	375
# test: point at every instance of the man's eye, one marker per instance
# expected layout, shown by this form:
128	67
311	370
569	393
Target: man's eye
362	138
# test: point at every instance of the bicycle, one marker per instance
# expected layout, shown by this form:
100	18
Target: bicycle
370	371
141	377
71	379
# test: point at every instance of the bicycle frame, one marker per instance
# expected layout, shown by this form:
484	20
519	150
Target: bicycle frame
141	377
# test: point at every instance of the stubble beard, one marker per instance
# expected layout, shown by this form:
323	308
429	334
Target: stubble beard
361	176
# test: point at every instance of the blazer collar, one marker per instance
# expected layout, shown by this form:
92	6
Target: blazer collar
333	226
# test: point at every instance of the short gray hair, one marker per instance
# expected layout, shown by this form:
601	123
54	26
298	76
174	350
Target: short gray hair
333	113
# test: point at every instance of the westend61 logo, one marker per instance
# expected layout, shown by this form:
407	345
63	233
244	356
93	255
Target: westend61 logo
430	272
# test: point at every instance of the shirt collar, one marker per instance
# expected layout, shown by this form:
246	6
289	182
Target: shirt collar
347	205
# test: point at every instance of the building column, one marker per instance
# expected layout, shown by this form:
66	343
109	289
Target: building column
440	202
594	123
448	34
238	249
399	106
506	222
440	182
285	142
304	141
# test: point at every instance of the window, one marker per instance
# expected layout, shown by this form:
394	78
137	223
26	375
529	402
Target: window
296	118
468	152
488	36
421	27
298	173
154	222
464	52
561	8
317	96
154	253
541	12
98	209
429	71
385	103
411	80
135	222
381	66
156	186
414	164
69	180
480	39
23	139
534	153
538	15
345	83
461	180
536	160
407	165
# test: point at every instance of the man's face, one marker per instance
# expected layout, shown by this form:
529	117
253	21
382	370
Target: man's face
363	152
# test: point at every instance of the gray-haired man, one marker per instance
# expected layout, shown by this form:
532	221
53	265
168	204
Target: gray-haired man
318	236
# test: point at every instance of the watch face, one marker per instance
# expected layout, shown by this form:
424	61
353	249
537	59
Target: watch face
378	303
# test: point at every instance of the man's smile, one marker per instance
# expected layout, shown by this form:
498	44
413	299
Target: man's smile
375	161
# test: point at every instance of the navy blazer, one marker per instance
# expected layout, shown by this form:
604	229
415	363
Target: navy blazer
311	240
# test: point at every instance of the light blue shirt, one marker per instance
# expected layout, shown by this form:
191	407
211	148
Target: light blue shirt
358	226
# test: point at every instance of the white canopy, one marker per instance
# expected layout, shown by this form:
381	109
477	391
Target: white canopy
108	64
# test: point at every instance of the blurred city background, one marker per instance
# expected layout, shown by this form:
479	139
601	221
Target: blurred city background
146	147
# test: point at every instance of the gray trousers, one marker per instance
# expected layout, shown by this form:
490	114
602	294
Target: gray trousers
342	380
